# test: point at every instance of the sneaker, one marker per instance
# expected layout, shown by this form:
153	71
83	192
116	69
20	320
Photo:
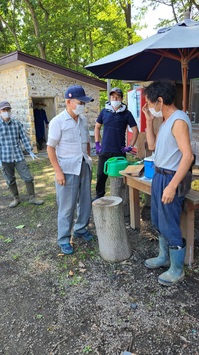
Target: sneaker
66	248
87	236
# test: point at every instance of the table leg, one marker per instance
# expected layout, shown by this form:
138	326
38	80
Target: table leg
134	207
187	228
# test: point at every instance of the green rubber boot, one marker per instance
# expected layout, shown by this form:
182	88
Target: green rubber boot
162	259
31	193
14	191
176	270
15	202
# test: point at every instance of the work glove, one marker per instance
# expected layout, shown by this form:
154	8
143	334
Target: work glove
33	156
98	147
126	149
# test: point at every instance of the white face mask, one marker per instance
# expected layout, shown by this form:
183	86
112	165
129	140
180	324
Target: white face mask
155	113
115	104
79	109
5	115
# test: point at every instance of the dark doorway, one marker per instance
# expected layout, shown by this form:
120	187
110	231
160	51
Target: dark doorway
44	111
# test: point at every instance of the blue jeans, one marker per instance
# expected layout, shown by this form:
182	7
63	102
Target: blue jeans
76	194
166	217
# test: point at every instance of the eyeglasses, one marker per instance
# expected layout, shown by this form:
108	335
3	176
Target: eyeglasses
79	102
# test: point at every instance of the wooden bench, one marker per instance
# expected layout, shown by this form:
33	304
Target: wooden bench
187	220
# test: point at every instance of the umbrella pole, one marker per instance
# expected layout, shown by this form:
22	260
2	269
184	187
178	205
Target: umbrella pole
184	64
184	90
108	88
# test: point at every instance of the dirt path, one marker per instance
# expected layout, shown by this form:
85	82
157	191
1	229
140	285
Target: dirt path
103	307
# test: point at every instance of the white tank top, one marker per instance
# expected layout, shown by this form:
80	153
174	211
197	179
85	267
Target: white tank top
167	153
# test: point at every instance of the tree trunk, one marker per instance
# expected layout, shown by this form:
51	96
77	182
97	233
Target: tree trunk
119	188
41	45
12	31
114	244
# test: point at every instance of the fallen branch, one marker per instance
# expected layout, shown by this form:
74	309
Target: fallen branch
191	316
56	345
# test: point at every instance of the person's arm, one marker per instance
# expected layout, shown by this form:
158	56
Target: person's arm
181	133
135	135
89	148
98	146
24	138
59	175
150	135
97	132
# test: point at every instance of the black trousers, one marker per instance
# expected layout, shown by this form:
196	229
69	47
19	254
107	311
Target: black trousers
101	177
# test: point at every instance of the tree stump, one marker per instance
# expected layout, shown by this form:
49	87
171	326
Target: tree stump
119	188
114	244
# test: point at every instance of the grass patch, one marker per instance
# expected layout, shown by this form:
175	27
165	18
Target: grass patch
44	179
16	256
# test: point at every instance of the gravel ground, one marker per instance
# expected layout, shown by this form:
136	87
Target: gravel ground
80	304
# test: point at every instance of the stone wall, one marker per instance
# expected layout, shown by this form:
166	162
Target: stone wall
14	89
21	84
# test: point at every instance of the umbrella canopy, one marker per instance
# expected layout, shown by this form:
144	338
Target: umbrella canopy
172	53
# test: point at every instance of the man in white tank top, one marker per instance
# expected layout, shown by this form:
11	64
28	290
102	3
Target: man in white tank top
173	159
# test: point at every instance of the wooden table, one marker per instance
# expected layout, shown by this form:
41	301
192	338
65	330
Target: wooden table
137	185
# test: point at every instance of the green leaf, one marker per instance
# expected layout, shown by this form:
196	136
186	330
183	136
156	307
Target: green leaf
8	240
20	226
39	316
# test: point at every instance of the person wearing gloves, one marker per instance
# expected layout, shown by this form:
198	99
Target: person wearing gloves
12	134
68	148
114	118
173	159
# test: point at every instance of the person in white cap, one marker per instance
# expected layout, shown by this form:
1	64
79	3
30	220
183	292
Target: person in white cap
12	134
114	118
68	148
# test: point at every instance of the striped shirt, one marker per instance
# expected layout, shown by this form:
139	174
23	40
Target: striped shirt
12	137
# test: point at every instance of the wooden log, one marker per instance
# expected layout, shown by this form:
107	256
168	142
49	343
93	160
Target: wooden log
120	189
114	244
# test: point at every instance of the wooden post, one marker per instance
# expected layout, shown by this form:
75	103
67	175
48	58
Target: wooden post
187	228
114	244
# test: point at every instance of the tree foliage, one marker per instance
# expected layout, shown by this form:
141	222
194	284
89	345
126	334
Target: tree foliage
69	33
76	33
178	9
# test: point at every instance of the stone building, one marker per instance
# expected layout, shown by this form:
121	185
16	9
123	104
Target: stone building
28	82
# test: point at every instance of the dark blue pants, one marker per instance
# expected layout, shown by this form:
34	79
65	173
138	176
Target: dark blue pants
101	177
166	217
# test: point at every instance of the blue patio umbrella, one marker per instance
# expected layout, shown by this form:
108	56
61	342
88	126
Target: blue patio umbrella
172	53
